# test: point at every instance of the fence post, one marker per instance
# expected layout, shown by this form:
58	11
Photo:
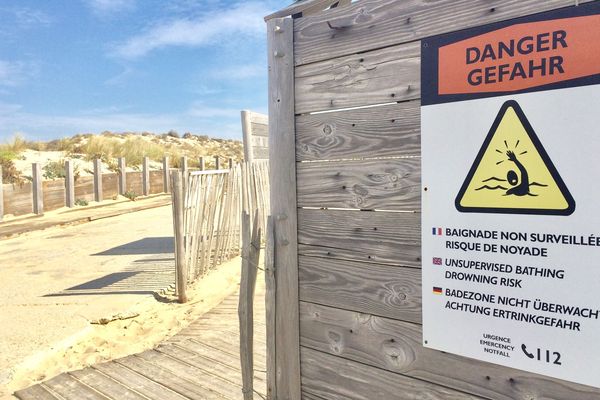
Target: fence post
247	134
230	162
122	176
250	256
282	176
179	237
166	174
201	163
217	162
38	195
146	176
1	196
69	184
97	180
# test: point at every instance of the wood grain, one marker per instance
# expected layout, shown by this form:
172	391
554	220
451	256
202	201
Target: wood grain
157	182
376	237
393	292
84	188
36	392
379	76
335	378
54	194
386	184
283	204
110	185
369	24
133	182
386	131
105	385
396	346
70	388
17	198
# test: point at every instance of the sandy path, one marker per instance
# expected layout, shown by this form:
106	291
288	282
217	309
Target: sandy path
91	271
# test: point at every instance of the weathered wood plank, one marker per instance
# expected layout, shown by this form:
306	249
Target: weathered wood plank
387	184
219	387
393	292
135	381
283	203
387	131
379	76
54	194
97	180
70	388
270	308
37	191
166	378
122	165
301	6
377	237
396	346
335	378
110	185
69	184
105	385
17	198
37	392
133	182
369	24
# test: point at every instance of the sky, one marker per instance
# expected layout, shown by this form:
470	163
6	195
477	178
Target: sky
88	66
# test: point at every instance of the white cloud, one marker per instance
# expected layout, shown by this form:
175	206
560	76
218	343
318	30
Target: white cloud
199	110
107	7
239	72
14	73
243	19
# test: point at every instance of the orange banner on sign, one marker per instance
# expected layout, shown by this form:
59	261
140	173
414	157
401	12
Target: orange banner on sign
521	56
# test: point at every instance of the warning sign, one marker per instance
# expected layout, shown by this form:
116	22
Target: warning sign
510	139
513	173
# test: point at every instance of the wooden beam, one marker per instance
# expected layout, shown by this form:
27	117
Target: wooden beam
122	176
97	180
38	195
69	184
282	157
217	162
201	165
179	235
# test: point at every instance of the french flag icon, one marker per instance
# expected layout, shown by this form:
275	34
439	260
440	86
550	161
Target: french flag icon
437	231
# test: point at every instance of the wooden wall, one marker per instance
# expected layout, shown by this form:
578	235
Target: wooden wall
358	207
17	199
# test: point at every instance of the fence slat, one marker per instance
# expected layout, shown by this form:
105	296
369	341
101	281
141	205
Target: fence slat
38	196
270	307
179	235
250	256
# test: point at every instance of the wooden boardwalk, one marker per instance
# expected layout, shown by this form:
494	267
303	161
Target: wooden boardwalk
201	362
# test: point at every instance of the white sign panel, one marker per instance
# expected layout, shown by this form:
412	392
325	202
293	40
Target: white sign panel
511	189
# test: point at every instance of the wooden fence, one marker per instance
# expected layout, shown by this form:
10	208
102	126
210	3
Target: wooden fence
41	195
208	231
346	202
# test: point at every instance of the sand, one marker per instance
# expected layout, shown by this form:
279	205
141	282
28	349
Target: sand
41	335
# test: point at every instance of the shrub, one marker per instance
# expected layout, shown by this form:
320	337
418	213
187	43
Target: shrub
173	133
81	202
54	170
10	174
187	135
131	195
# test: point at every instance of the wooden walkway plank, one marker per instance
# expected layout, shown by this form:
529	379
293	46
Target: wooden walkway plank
105	385
36	392
168	379
70	388
137	382
210	381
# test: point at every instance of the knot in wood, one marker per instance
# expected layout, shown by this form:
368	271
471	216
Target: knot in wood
327	129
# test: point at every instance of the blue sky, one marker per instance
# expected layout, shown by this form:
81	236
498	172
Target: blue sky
85	66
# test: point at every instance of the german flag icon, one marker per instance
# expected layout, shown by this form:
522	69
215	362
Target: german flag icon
437	290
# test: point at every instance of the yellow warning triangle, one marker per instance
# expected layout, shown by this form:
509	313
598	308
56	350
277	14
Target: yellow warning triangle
512	172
